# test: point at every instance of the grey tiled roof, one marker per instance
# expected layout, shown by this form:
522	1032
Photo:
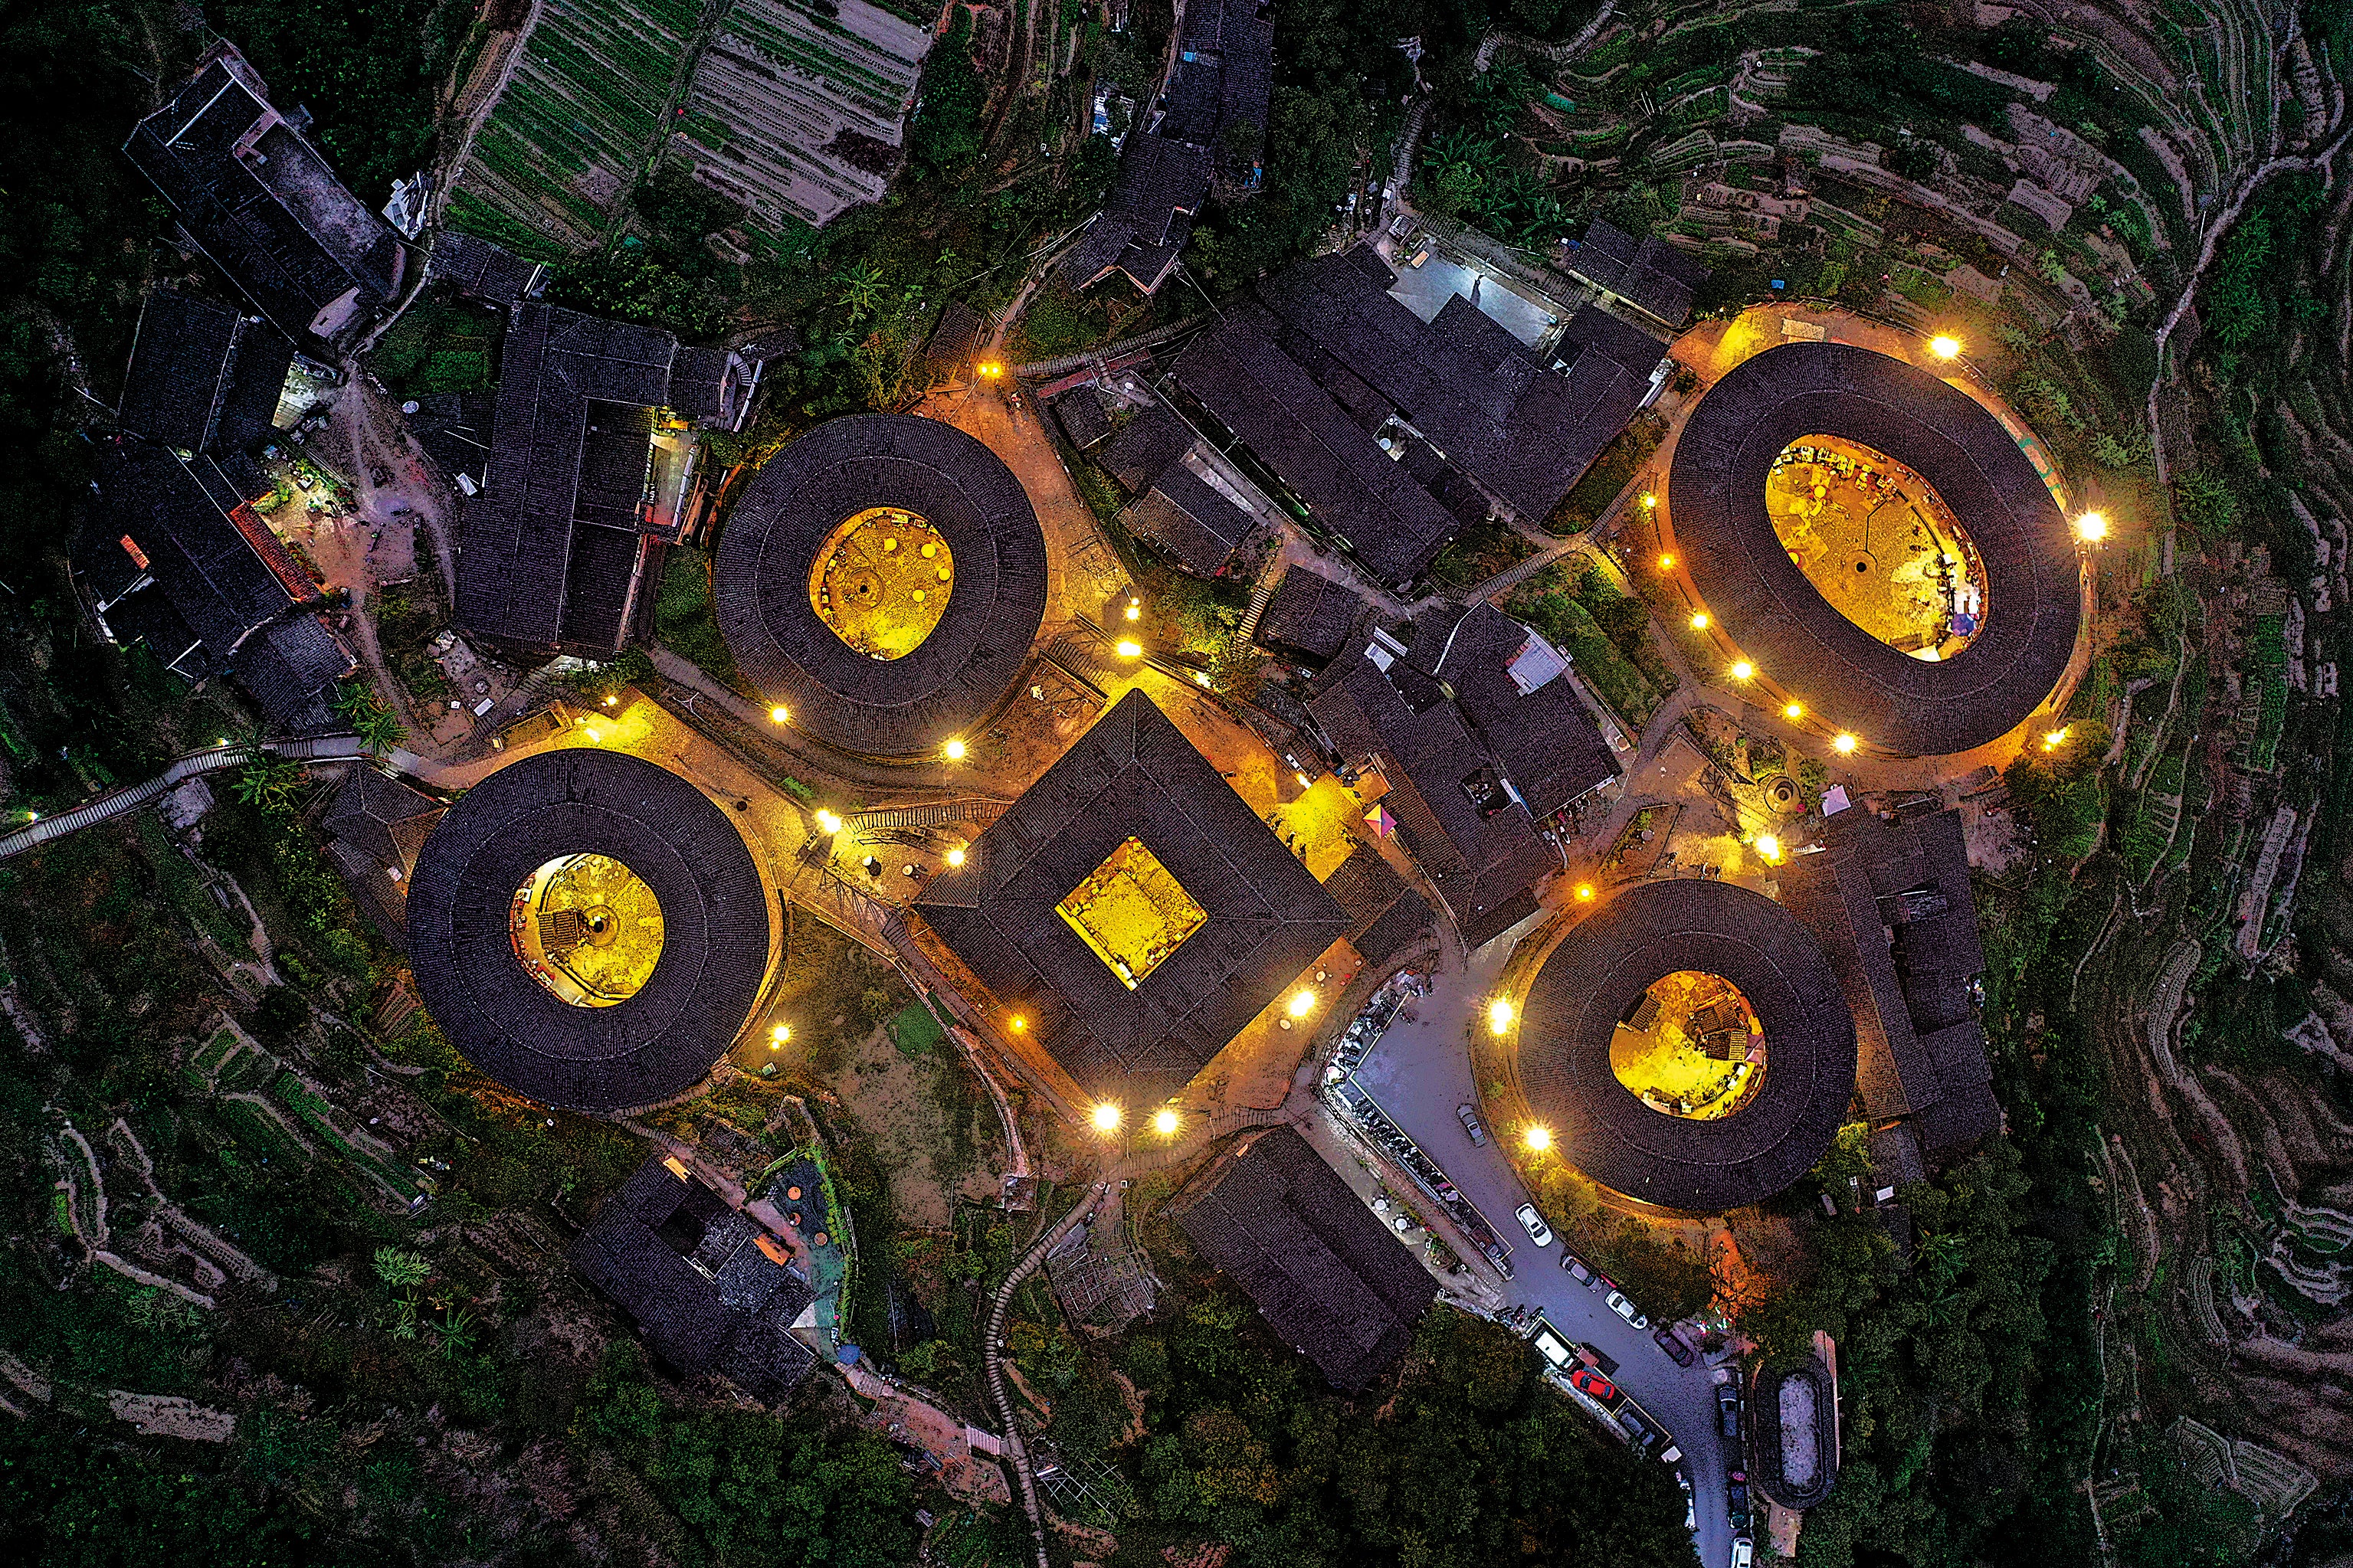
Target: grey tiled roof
959	674
1597	975
1081	415
567	452
1191	519
1145	447
265	206
715	930
1145	220
1296	427
291	668
381	817
202	377
478	268
687	1270
1485	860
197	556
1133	774
1384	914
1332	1282
1904	963
1309	617
1468	385
1650	274
1715	495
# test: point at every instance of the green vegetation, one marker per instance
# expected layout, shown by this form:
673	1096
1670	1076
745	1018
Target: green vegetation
1605	633
369	71
1471	1458
686	619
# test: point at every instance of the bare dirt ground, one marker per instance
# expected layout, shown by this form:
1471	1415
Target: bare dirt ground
899	1100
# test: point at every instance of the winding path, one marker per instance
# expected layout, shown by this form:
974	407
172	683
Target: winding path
196	764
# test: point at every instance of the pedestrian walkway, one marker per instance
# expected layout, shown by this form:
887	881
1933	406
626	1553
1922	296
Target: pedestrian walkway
196	764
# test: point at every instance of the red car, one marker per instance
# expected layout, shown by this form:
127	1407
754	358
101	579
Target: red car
1592	1384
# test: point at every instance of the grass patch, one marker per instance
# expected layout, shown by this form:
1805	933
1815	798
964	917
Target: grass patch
686	621
1478	553
914	1030
1611	472
1568	607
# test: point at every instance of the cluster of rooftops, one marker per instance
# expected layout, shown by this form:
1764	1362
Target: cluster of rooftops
1318	388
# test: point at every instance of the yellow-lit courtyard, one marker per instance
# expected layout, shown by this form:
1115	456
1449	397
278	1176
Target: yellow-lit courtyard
1131	911
881	581
1693	1047
588	928
1879	543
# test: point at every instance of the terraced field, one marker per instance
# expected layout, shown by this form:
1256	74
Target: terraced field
795	107
576	124
796	114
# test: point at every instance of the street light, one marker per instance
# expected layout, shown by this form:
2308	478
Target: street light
1666	562
1944	347
1539	1139
1020	1024
956	857
779	1035
1585	892
954	751
1794	711
778	714
1126	648
1135	611
1769	847
1302	1004
2056	738
1699	620
1743	669
1844	744
1649	501
1163	1122
827	821
1105	1117
1499	1014
2091	528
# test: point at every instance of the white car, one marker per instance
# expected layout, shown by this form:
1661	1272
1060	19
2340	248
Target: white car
1533	1222
1625	1309
1743	1551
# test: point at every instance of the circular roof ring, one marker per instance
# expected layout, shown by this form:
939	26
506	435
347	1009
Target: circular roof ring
909	700
483	857
1599	975
1763	602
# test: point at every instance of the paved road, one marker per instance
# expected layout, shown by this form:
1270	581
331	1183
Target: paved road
1418	1073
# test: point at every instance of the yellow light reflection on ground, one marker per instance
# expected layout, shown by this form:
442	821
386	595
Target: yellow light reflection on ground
1692	1047
1877	543
881	581
1131	911
588	928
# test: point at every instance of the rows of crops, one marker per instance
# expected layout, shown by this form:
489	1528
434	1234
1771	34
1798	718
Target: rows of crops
576	123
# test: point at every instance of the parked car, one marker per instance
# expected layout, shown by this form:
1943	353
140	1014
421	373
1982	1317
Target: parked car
1592	1384
1576	1266
1735	1500
1533	1222
1743	1551
1691	1502
1639	1427
1626	1310
1471	1125
1727	1410
1673	1345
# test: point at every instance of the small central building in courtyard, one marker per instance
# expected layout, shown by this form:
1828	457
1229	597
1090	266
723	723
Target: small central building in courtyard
1129	915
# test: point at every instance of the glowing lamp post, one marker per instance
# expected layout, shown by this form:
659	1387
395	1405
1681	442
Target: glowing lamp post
2091	528
1500	1013
1105	1116
1944	347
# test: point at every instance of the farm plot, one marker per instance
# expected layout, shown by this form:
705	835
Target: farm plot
798	113
575	124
